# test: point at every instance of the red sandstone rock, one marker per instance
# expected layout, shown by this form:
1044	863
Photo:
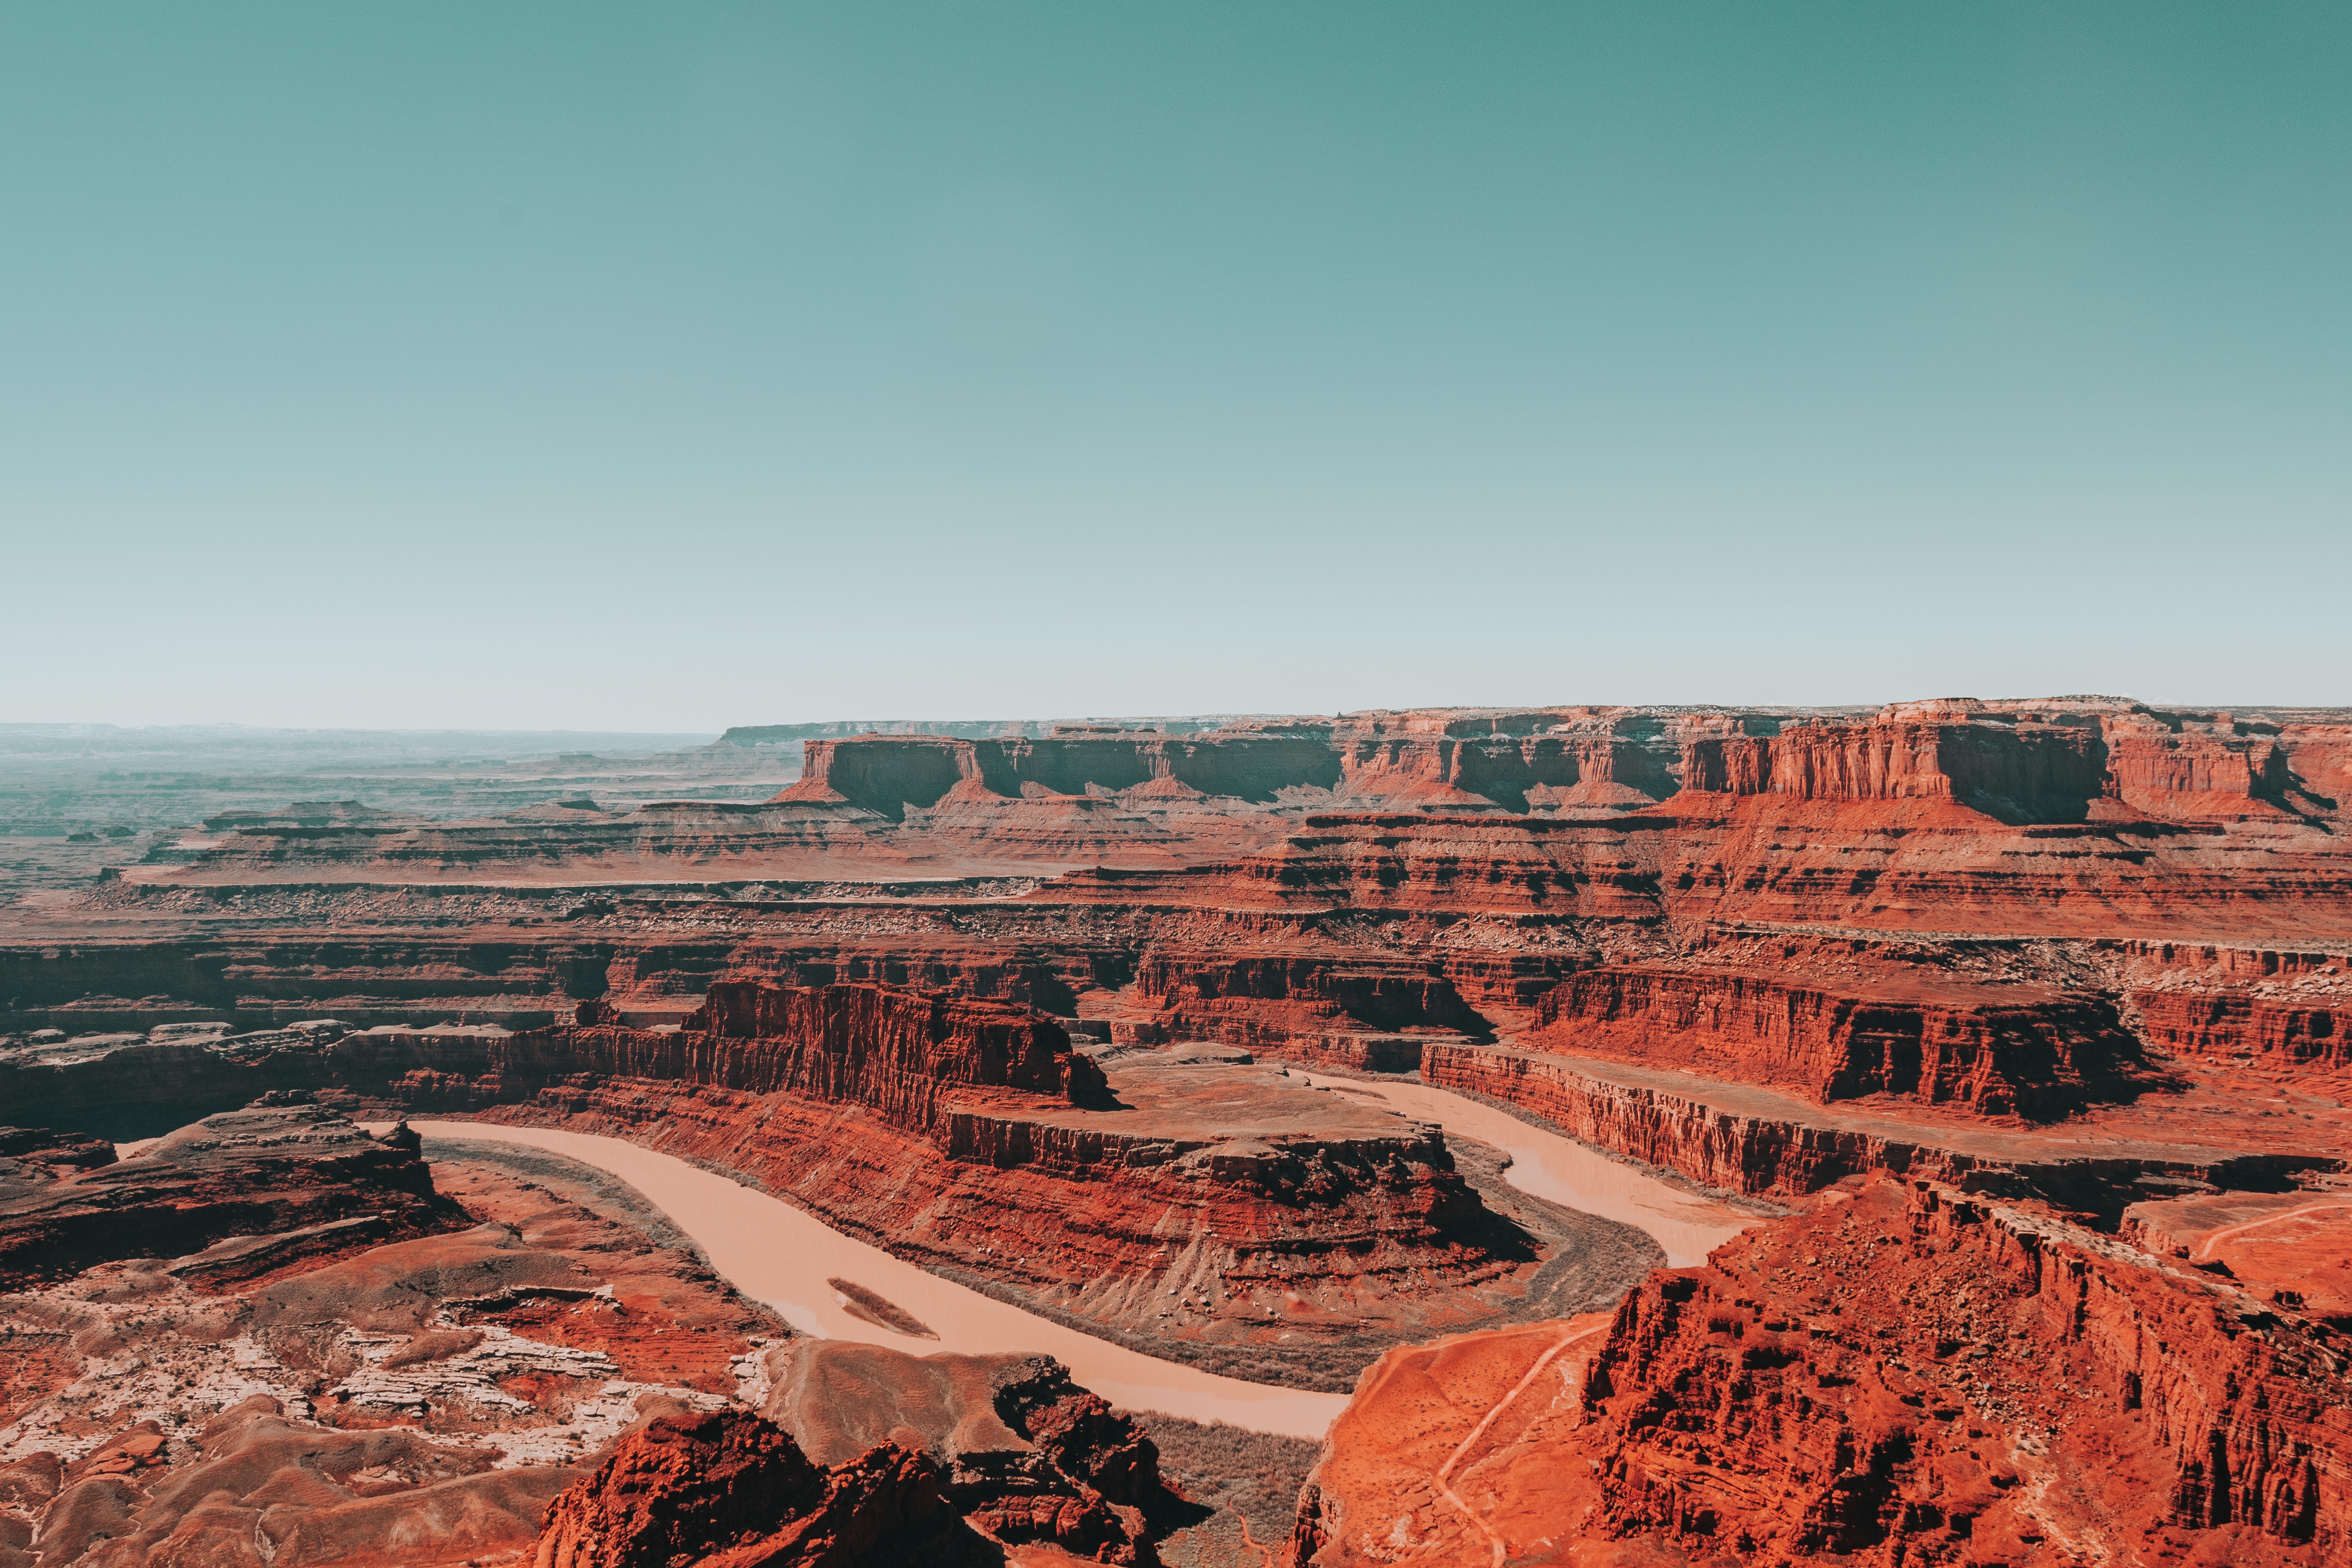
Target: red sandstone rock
1023	1452
2292	1249
1312	1005
1910	1377
731	1490
2170	875
869	803
1993	1050
283	1179
338	1446
1290	1218
881	1046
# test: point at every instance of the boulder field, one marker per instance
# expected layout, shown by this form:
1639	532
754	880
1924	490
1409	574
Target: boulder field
2018	1030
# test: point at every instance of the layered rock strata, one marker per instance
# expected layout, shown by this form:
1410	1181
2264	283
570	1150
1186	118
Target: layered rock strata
284	1181
1184	1196
1736	1137
1996	1052
1315	1006
1911	1376
2120	772
2078	952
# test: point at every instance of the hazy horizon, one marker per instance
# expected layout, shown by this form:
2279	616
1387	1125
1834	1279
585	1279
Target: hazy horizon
654	371
2241	704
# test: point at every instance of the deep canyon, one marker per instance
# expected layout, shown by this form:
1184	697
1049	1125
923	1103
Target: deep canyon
1979	1070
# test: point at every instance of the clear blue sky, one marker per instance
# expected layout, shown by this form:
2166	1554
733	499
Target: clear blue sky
668	367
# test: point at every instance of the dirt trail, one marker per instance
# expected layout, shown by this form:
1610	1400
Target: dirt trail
2220	1235
1461	1450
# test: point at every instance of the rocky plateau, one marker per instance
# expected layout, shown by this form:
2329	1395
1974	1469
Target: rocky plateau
2010	1035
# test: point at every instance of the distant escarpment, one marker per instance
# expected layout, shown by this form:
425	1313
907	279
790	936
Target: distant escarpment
2117	773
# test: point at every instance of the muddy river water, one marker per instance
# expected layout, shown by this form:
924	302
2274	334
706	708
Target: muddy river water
784	1256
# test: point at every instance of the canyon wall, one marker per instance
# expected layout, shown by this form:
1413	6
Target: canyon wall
2019	763
1734	1139
968	1135
888	774
2014	1050
2077	779
1911	1376
2192	1407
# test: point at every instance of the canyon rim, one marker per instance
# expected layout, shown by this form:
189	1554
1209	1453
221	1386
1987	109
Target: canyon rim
1593	1135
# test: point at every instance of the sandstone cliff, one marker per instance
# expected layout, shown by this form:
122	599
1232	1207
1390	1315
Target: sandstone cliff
1911	1377
1995	1051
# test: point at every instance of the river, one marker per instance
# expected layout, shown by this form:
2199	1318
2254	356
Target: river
782	1255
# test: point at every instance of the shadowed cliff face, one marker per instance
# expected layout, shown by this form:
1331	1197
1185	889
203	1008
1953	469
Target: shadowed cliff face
2015	762
731	1490
1019	1449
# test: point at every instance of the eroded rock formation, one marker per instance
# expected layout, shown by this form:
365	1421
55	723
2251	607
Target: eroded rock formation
1911	1375
1192	1199
987	998
281	1180
1018	1449
728	1490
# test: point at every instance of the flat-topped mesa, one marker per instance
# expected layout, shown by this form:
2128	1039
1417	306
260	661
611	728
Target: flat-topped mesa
2024	773
1576	762
2002	1051
2023	761
889	773
1084	795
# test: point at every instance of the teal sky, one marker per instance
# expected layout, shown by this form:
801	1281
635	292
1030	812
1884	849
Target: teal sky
669	367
